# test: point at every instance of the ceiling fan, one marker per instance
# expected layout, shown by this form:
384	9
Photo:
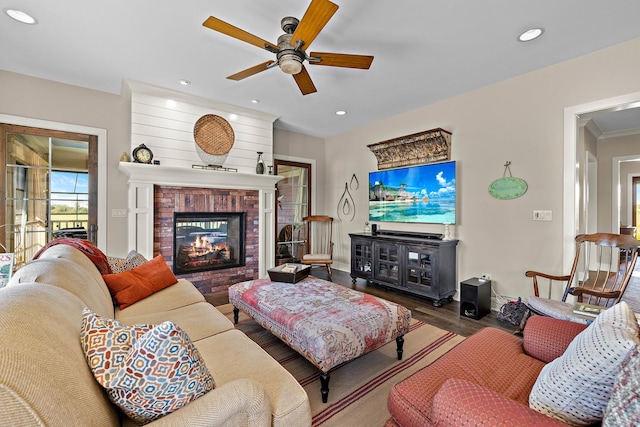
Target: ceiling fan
290	50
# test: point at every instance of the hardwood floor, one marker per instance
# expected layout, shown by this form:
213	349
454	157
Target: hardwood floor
446	317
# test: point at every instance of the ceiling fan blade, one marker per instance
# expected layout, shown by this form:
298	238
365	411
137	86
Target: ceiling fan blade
250	71
315	18
235	32
342	60
304	82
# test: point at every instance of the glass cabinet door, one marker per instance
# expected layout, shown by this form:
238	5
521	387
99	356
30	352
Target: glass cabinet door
420	268
387	265
361	257
293	194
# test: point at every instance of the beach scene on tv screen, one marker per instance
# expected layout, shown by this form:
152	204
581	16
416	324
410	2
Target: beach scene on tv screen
424	193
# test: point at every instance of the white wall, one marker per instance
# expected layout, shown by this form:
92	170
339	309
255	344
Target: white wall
519	120
628	170
608	148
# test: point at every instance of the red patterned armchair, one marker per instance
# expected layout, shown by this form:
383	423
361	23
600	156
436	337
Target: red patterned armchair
484	381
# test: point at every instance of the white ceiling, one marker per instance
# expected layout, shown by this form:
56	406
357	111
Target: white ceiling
616	121
424	51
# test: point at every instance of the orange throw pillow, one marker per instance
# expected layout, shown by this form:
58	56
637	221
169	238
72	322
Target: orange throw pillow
133	285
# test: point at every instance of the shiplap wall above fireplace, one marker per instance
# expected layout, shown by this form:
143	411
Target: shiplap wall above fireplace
163	120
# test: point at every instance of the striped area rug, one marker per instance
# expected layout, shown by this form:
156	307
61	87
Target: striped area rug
357	390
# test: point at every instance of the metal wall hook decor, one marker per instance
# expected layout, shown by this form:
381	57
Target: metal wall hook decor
354	183
346	206
507	187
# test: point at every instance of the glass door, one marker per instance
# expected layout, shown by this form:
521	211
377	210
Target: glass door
50	188
293	203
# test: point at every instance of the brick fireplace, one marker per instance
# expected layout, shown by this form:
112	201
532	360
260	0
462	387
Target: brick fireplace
170	200
156	192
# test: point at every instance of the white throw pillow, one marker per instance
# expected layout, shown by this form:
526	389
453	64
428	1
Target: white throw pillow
575	387
623	408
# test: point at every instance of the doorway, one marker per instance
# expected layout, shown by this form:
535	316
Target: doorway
293	202
50	188
635	201
572	185
591	194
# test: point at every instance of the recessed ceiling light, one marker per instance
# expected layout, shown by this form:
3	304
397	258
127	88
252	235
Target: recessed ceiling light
185	82
531	34
255	101
21	16
341	113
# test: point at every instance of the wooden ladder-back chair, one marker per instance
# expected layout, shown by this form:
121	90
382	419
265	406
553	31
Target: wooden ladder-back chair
318	249
602	268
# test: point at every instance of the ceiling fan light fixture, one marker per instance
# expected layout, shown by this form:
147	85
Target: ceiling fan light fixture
289	59
290	64
291	48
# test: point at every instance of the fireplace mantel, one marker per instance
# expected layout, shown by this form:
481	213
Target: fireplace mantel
142	179
172	175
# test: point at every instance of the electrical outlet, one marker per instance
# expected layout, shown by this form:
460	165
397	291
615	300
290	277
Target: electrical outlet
542	215
118	213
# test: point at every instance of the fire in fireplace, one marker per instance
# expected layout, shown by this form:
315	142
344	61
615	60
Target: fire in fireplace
207	241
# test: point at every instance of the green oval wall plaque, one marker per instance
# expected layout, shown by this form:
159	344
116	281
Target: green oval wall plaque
507	188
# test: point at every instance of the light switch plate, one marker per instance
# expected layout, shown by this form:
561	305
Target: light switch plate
542	215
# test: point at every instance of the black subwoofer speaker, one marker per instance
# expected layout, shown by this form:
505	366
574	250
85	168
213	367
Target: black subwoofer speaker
475	298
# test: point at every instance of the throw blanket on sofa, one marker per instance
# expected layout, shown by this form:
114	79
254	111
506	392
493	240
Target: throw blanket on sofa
84	246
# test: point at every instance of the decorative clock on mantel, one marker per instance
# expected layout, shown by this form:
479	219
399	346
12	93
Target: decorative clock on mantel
142	154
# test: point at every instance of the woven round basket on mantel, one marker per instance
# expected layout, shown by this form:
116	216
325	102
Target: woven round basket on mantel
214	138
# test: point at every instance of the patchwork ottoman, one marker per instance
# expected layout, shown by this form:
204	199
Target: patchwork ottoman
326	323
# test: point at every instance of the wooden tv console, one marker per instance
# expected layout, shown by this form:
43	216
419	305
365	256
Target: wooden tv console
418	263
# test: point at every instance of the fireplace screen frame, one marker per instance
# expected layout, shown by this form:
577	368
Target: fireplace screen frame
181	217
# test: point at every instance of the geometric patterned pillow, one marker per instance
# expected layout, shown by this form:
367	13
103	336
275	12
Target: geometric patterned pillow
576	387
162	372
106	342
623	408
133	260
148	371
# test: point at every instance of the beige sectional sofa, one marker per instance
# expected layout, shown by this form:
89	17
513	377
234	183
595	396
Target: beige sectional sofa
45	379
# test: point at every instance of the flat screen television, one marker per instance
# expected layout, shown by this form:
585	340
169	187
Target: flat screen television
416	194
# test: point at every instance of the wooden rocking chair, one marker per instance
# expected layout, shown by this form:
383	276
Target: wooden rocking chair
601	271
318	249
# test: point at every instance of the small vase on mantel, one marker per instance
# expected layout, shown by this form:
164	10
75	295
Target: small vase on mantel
260	164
